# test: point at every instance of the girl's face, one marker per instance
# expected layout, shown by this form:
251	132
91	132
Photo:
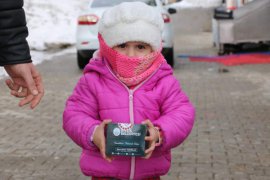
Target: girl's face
134	49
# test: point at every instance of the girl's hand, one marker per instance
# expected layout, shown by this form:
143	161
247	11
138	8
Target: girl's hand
99	139
152	138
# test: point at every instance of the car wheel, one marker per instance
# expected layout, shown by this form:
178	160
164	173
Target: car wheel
83	57
169	56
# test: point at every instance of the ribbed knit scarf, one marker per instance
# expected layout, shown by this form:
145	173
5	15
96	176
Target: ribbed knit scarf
130	70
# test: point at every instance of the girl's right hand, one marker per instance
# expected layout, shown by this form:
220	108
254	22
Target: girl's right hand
152	138
99	139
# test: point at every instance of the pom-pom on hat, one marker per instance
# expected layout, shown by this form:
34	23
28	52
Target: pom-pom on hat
132	21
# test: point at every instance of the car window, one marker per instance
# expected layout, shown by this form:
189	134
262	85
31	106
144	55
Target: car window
105	3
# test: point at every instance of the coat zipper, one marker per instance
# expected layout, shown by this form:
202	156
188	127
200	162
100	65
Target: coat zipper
131	112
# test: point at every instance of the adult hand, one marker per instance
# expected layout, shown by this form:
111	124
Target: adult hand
25	82
99	139
152	138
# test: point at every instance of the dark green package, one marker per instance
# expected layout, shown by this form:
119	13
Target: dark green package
124	139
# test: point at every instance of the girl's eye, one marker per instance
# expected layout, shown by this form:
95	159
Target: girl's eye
141	46
122	46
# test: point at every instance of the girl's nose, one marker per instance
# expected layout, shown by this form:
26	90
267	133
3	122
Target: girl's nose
130	52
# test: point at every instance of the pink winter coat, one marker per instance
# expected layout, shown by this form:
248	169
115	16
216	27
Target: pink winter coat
100	95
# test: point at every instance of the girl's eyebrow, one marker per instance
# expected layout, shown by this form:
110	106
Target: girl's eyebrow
140	42
144	44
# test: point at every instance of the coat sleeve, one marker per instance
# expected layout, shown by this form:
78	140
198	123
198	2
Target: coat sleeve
81	114
177	116
14	48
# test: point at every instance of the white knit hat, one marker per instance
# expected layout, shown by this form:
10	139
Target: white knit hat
132	21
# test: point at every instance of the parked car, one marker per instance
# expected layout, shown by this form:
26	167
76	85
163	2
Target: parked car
87	29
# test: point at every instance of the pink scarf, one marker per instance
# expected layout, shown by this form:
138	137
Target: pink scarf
130	70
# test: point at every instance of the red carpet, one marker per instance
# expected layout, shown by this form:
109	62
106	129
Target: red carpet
233	60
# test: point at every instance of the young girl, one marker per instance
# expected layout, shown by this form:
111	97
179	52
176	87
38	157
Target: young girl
128	81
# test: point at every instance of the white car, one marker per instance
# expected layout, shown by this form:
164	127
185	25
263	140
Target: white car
87	29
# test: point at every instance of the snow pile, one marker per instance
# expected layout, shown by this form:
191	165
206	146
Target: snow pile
52	24
196	4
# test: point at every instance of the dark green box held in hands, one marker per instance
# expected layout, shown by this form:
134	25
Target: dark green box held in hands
125	139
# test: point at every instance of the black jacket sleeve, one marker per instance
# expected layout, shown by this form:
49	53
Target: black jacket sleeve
14	48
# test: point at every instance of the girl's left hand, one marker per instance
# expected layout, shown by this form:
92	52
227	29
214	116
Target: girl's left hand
152	138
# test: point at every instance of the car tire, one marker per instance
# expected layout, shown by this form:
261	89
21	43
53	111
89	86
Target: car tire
83	57
169	56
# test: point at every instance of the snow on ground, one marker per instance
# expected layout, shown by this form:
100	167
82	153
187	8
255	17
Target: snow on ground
52	23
